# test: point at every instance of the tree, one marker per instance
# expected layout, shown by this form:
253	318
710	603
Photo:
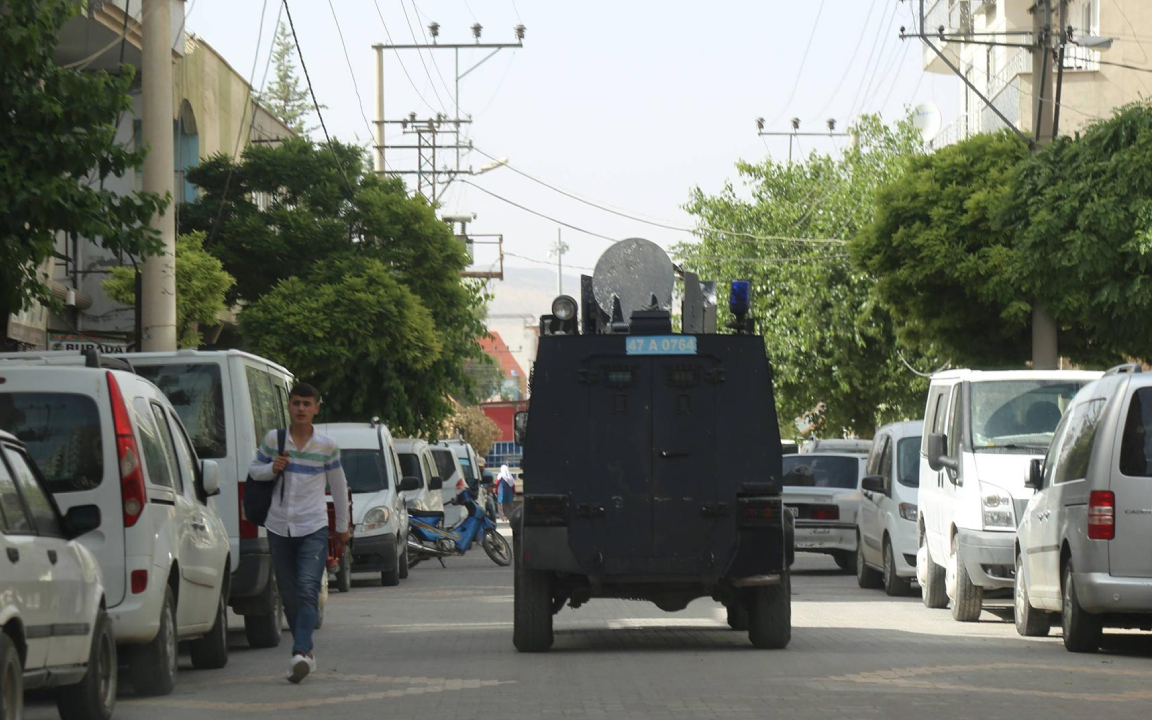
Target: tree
201	286
827	339
477	429
943	261
59	130
296	225
285	98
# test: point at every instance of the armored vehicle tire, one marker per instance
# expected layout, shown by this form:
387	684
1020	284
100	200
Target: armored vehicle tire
1082	631
968	597
532	615
894	585
738	615
866	577
934	594
770	615
845	560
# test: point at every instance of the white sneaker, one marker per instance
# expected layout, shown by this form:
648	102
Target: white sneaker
300	667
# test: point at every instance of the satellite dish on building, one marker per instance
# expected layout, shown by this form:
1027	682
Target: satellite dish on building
926	119
633	270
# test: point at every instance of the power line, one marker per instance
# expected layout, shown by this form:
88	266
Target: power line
872	53
545	262
403	67
430	54
355	86
513	203
420	55
803	60
848	70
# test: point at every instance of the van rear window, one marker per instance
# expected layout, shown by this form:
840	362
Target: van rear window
1136	447
195	390
445	464
62	432
810	470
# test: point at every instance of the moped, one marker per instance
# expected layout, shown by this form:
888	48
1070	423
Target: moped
428	538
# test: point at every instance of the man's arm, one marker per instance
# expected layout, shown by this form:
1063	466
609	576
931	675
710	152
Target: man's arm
261	467
339	486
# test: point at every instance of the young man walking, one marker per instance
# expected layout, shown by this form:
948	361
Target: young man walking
297	520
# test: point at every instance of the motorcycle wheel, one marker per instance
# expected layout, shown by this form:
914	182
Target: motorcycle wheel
497	548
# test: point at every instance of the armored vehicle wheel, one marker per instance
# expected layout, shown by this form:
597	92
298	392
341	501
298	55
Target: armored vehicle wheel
738	615
866	577
846	561
770	615
532	615
967	597
934	594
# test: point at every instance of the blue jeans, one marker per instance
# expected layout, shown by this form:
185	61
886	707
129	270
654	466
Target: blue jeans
299	563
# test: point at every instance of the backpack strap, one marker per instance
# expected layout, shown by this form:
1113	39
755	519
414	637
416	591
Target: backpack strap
281	438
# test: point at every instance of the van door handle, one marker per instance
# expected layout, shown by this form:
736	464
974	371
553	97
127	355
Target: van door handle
13	555
52	556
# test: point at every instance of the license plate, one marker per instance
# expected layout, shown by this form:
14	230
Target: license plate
661	345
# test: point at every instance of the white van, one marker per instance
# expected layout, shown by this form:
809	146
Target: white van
416	461
888	514
109	438
451	474
379	515
229	400
981	432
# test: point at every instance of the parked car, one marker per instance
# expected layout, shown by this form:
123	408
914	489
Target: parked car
452	478
823	491
109	438
416	461
888	513
54	631
981	430
379	515
229	400
1083	543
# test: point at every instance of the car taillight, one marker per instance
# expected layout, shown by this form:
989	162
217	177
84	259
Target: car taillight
248	529
131	472
139	581
1101	515
759	512
824	512
552	510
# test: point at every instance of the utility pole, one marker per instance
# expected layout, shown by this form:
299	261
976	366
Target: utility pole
158	285
558	250
379	127
795	133
1045	351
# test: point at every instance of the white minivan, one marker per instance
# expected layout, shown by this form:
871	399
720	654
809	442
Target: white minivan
981	432
888	513
416	461
109	438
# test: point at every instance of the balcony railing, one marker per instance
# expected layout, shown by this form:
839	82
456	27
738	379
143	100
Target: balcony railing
1082	59
954	15
951	133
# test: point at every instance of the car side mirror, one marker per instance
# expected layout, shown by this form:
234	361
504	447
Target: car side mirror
81	519
937	453
409	484
210	477
874	483
1035	474
520	427
435	484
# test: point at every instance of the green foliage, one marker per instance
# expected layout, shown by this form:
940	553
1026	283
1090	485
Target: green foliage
827	339
941	260
201	285
289	224
477	429
285	98
58	128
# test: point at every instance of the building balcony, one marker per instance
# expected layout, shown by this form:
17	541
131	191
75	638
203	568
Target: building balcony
954	17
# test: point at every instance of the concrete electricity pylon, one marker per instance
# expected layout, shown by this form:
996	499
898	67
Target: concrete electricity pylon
795	132
558	250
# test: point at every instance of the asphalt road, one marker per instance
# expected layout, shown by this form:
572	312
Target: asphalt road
440	646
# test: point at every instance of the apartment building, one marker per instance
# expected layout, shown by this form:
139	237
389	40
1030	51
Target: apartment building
1092	85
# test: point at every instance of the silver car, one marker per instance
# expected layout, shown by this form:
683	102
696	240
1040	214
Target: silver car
1083	543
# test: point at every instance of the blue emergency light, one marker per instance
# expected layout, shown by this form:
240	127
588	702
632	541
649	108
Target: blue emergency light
739	299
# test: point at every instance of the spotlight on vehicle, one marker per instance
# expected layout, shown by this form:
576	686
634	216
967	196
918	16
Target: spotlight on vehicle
564	308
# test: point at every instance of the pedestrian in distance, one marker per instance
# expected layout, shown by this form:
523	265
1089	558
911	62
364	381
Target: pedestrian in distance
297	521
506	491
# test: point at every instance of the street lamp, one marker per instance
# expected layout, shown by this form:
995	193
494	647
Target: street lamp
491	166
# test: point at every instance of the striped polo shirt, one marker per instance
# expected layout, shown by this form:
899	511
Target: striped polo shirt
312	468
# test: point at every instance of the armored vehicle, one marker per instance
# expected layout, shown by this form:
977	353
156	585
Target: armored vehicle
652	458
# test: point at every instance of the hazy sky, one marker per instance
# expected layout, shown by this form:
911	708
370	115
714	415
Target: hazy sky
628	103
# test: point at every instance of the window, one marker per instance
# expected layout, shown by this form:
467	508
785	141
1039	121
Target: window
886	462
410	467
185	459
445	464
936	407
429	468
364	470
821	471
1135	447
1077	441
469	471
269	409
157	459
170	446
394	468
1018	414
196	391
875	457
908	462
62	434
39	503
955	423
12	515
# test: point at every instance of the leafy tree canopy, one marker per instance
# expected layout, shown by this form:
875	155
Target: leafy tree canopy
291	229
285	97
59	128
201	285
827	339
477	429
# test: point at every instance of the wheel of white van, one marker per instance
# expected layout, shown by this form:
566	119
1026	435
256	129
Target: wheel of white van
496	545
211	651
866	577
933	592
770	615
263	631
391	576
738	615
344	572
94	697
1082	631
968	598
1030	622
11	680
152	667
403	551
532	609
894	585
